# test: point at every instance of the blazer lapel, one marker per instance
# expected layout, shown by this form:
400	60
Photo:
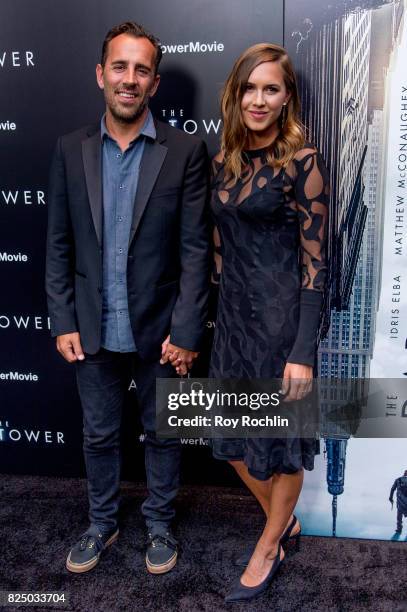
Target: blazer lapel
153	157
92	162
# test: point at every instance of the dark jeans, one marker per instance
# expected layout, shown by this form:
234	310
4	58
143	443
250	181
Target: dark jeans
102	382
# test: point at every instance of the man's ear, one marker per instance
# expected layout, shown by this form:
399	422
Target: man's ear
154	88
99	76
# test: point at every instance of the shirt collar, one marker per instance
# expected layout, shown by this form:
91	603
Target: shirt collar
148	128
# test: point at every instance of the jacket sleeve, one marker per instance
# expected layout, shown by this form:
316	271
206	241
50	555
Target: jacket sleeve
312	201
394	487
60	272
190	311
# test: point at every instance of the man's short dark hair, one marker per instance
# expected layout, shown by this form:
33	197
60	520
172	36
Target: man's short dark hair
132	29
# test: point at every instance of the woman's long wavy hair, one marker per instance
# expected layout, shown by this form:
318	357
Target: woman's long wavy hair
291	136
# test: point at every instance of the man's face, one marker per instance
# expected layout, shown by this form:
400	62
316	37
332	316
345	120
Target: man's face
128	78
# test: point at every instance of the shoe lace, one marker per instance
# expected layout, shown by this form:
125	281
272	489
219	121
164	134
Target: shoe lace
159	540
91	541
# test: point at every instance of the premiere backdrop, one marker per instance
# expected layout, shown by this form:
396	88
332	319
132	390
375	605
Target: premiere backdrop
349	58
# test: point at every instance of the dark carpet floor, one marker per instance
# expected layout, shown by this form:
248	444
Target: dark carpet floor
41	517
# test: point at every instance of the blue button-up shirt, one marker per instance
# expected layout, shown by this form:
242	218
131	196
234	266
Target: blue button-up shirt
120	180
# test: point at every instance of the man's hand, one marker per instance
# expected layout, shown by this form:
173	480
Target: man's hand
69	345
182	359
297	381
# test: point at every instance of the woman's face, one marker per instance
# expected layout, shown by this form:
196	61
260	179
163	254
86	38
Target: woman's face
263	98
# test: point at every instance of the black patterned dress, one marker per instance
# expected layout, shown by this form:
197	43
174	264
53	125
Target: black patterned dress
270	241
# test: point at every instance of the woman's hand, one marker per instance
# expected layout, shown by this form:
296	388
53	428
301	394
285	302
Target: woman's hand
297	381
182	359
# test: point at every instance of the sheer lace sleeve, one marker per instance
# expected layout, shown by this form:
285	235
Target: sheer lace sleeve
312	201
217	255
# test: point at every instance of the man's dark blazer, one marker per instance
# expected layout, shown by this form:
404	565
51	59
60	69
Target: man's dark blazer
167	268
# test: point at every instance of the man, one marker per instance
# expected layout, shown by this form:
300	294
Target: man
126	279
400	484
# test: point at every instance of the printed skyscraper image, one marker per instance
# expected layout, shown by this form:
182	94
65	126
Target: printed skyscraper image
342	58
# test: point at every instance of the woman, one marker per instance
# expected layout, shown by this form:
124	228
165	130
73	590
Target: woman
270	204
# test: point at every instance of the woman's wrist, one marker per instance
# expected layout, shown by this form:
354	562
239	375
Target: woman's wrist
298	370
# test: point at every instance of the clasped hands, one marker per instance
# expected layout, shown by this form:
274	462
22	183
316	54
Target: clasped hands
182	359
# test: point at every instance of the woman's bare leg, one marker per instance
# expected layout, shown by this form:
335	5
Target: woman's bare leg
261	489
285	491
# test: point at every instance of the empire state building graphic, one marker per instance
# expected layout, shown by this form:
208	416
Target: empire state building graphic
341	411
335	455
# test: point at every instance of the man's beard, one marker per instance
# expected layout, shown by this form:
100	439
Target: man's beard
125	117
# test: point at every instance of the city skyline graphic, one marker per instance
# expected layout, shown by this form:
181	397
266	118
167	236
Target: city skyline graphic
345	60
